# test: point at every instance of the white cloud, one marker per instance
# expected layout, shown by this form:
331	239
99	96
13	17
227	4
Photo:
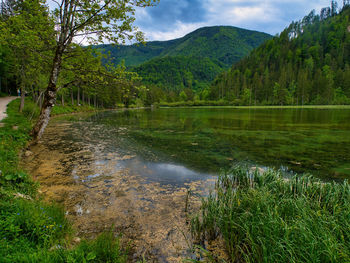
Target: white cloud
179	30
270	16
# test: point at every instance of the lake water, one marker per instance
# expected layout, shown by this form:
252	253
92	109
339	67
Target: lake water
201	141
143	172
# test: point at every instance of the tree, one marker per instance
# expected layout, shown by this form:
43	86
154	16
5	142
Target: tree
346	3
325	13
334	8
28	34
93	21
183	96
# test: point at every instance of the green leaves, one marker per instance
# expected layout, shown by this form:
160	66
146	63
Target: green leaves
16	177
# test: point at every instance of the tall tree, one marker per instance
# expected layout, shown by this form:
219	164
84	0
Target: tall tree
28	33
93	21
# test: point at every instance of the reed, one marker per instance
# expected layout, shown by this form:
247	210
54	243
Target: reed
269	218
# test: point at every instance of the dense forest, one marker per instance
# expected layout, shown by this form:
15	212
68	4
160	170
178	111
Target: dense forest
226	44
27	49
180	72
90	76
308	63
188	64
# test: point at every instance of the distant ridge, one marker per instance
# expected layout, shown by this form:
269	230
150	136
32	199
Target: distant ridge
226	44
191	61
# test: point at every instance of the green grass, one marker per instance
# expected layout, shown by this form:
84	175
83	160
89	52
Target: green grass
58	109
198	103
30	229
267	218
227	104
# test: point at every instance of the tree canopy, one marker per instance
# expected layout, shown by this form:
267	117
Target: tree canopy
308	63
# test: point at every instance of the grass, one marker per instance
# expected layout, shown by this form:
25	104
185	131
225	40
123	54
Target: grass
267	218
30	229
219	104
198	103
59	109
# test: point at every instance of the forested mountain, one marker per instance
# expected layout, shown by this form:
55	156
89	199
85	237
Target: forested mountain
176	73
190	62
226	44
308	63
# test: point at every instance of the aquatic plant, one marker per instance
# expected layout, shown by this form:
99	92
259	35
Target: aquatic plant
269	218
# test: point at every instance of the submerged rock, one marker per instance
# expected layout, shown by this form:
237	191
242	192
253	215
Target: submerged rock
28	153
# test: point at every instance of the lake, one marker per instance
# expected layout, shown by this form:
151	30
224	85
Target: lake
143	172
206	140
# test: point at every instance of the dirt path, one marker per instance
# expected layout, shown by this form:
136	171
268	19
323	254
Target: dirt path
3	104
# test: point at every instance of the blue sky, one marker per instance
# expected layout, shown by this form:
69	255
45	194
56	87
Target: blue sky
174	18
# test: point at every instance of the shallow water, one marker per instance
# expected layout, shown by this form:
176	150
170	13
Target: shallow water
313	141
102	182
133	169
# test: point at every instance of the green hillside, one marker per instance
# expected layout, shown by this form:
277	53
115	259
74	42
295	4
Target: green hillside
177	73
192	61
223	43
134	54
309	63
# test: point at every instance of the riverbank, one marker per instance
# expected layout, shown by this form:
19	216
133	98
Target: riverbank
32	230
259	107
260	216
85	167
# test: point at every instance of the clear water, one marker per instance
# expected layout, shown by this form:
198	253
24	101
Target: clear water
173	144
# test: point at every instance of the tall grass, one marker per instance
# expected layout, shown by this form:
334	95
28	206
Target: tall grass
268	218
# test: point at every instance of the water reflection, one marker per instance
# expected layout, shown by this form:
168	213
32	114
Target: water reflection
165	173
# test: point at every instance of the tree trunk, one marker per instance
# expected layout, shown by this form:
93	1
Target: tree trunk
34	94
41	100
71	96
83	99
89	100
21	106
95	100
38	96
62	100
49	96
78	96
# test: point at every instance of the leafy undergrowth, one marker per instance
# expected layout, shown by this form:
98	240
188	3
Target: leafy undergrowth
268	218
2	94
58	109
30	229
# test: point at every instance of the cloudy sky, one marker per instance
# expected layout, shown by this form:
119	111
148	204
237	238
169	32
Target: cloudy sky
174	18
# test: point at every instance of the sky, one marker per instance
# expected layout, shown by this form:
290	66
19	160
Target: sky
172	19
